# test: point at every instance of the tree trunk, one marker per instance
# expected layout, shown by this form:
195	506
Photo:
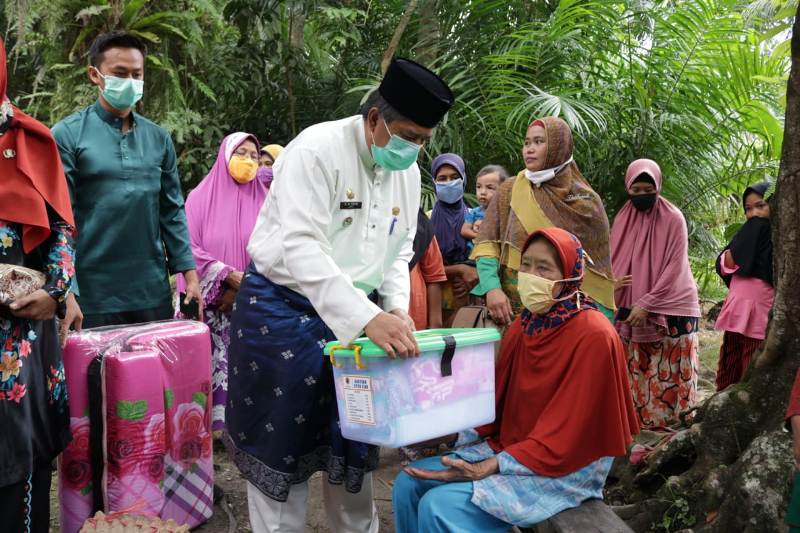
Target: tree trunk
785	218
731	469
429	32
296	30
398	34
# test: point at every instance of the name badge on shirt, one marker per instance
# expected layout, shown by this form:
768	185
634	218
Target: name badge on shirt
350	205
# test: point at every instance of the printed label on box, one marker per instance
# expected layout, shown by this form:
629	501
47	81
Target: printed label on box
358	403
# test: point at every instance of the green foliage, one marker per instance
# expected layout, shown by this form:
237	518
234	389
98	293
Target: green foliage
697	85
677	517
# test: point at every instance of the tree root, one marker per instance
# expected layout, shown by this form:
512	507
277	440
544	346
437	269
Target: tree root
714	476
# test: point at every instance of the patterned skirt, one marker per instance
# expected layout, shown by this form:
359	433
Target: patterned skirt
734	358
664	373
282	420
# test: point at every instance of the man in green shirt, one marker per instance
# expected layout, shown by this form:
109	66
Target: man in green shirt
126	196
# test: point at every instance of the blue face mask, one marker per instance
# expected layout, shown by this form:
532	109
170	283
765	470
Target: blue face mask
450	192
398	154
122	93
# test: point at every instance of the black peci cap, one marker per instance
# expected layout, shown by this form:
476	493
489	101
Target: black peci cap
416	92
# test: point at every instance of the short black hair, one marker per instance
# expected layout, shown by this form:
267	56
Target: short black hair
375	99
113	39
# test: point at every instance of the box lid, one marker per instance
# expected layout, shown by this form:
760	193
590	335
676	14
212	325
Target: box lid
430	340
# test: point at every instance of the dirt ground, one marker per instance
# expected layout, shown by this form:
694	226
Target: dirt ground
230	515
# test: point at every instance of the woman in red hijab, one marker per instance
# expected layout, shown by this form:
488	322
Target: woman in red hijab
36	231
656	294
563	407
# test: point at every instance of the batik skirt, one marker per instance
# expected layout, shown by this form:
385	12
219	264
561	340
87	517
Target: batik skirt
281	416
664	373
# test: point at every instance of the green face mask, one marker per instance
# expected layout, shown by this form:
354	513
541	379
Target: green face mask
398	154
122	93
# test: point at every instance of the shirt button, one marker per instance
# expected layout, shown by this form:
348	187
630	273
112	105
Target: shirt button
373	226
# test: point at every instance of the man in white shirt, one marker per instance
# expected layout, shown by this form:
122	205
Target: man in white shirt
334	238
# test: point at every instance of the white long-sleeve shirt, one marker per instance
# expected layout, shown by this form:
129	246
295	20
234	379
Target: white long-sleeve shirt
328	228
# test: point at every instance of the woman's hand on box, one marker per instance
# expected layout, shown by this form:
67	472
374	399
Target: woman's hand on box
457	470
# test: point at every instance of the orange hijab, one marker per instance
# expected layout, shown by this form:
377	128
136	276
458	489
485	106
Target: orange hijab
563	398
32	176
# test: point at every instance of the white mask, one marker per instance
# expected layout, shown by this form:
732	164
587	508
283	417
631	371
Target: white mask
542	176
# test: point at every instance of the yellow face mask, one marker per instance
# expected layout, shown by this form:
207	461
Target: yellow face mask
242	169
536	292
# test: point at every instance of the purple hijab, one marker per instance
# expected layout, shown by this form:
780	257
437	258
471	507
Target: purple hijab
447	219
221	215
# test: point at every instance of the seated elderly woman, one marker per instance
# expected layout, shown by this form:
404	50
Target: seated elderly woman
563	405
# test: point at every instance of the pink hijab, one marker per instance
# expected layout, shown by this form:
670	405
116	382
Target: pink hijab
221	215
653	247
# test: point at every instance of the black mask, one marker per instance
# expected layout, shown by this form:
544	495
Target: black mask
643	202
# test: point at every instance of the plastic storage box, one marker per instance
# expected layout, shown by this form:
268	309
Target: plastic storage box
397	402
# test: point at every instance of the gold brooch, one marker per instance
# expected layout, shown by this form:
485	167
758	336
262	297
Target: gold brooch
350	194
395	211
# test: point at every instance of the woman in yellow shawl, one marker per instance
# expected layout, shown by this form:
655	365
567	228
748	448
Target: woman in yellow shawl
551	191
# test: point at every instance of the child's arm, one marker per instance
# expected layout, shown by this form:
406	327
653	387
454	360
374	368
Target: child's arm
434	305
467	232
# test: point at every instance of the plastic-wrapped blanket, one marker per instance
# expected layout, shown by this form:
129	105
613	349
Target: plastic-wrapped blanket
140	417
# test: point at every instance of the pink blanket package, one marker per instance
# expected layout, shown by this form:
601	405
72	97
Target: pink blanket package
140	415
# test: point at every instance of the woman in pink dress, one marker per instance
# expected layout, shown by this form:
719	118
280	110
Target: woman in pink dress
746	267
221	212
656	295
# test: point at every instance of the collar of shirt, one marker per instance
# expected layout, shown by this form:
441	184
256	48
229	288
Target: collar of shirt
364	151
110	118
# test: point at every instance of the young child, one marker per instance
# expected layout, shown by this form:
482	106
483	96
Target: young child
746	267
489	179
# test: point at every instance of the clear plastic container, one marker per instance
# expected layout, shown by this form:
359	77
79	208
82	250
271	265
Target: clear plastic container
397	402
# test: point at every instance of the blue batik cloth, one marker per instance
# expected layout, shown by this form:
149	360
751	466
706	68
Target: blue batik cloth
516	496
282	419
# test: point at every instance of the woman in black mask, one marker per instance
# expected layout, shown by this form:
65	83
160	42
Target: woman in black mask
657	298
745	266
